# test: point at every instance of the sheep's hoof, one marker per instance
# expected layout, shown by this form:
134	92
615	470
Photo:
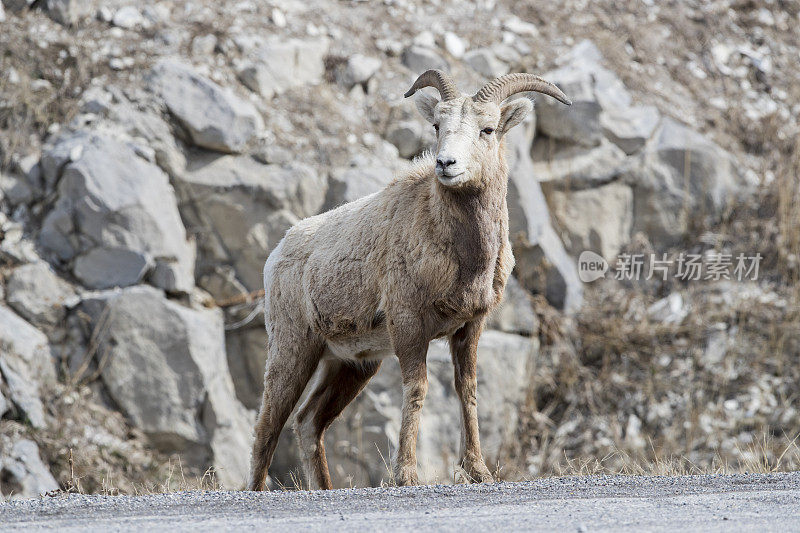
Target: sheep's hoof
477	472
406	476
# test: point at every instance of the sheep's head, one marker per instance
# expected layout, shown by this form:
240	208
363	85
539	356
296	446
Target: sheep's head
469	128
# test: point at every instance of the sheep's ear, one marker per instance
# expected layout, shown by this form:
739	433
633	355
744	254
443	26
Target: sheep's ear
512	114
426	104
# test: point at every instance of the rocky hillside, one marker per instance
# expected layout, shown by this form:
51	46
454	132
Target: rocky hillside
154	154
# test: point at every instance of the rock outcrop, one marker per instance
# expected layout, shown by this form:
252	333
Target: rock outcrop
166	370
115	221
214	118
22	472
26	367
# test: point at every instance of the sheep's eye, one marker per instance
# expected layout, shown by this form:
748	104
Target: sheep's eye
487	131
436	127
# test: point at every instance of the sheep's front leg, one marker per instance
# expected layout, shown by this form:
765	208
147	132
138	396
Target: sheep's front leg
411	350
464	350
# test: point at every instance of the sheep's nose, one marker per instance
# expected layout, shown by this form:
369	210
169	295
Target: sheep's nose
444	162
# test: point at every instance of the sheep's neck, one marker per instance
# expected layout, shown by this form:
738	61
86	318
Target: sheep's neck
478	223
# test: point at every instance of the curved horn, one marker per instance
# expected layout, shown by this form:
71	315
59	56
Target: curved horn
501	88
438	79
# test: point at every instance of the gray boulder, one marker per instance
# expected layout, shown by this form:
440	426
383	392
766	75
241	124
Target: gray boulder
421	58
578	123
15	247
214	118
560	165
128	17
408	137
105	267
246	349
38	295
16	5
241	208
204	45
25	365
153	129
597	219
15	190
24	475
116	216
485	62
600	103
4	405
68	12
358	70
679	174
351	183
542	264
280	64
609	89
515	313
455	45
631	127
168	373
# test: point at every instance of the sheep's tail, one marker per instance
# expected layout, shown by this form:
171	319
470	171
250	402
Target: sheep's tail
269	271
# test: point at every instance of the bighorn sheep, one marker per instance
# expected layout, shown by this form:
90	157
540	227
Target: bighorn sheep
426	257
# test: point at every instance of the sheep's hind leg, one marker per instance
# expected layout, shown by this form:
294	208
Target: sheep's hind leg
337	384
290	364
464	350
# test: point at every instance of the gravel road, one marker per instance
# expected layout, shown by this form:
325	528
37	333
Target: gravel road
608	503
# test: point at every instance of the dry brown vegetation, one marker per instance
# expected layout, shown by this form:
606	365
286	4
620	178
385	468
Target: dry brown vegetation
618	391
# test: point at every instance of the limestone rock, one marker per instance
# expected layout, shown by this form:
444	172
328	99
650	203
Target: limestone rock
4	405
22	472
542	264
630	128
515	312
116	215
246	349
679	174
421	58
16	5
594	91
565	165
597	219
408	137
485	62
25	365
105	267
454	45
578	123
204	45
128	17
351	183
155	130
68	12
280	64
215	118
359	69
241	208
168	373
38	295
15	190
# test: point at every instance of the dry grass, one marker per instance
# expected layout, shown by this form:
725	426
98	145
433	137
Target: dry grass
765	455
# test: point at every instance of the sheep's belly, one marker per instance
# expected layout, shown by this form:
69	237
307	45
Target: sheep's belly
370	345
